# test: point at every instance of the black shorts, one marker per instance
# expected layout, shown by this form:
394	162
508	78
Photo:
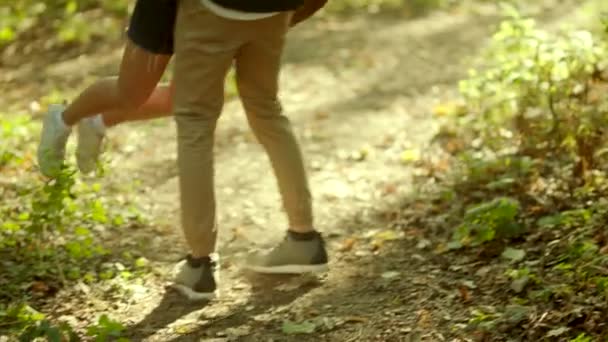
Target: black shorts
153	24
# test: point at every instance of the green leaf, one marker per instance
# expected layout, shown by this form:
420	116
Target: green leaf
82	231
501	184
71	7
513	254
53	334
7	34
452	245
518	285
141	262
291	328
549	221
409	156
515	314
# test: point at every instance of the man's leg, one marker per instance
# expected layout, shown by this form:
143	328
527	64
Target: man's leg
257	72
203	54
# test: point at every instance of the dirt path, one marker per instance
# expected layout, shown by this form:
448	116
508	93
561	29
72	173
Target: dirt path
359	92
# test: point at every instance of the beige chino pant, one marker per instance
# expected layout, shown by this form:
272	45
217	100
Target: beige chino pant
205	47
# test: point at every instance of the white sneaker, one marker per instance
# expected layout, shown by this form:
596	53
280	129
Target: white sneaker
90	137
54	137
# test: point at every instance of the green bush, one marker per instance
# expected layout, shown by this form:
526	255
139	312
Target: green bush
539	89
487	221
68	20
49	235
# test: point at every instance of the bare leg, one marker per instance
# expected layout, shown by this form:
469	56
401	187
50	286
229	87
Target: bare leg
158	105
140	72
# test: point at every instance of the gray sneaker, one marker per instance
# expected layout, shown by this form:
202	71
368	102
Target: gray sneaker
297	254
90	138
54	137
195	278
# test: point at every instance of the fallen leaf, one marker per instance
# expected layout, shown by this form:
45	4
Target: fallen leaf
483	271
237	234
449	108
516	314
321	115
557	331
442	109
424	318
288	287
469	284
420	281
389	189
536	209
443	165
347	245
382	237
387	235
370	233
185	328
141	262
390	275
355	319
454	145
513	254
241	331
452	245
40	288
327	323
377	245
423	244
464	294
441	248
409	156
292	328
518	285
362	254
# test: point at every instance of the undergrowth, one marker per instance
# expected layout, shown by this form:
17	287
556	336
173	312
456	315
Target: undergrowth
528	190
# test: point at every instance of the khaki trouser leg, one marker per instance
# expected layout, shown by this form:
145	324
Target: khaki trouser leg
204	49
205	46
257	72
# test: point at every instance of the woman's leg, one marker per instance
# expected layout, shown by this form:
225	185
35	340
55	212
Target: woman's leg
134	95
140	72
159	104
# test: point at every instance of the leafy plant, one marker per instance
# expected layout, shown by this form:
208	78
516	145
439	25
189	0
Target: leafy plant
47	233
541	89
107	329
582	338
487	221
66	18
30	324
531	157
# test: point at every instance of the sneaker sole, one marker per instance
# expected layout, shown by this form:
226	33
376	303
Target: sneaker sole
290	269
193	295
